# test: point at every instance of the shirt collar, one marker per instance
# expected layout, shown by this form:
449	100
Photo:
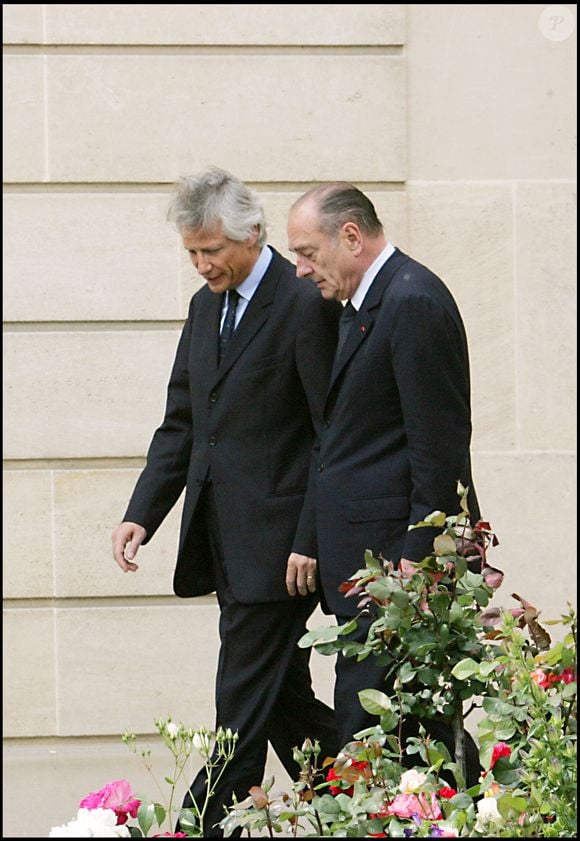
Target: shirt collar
370	275
247	288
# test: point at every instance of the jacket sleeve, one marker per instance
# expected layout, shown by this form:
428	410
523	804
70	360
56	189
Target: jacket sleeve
164	475
429	353
315	348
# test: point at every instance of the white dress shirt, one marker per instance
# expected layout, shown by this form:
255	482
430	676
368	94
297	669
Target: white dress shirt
370	275
247	288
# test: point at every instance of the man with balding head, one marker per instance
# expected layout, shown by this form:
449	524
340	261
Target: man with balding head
397	419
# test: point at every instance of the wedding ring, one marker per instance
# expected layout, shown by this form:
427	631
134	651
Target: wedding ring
309	577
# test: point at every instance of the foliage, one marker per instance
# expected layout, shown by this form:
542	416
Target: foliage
442	647
105	813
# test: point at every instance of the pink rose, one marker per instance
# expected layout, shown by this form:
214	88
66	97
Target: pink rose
116	796
407	805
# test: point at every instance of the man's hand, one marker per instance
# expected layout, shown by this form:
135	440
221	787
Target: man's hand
300	574
127	538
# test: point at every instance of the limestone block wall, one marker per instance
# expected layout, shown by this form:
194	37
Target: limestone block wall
457	120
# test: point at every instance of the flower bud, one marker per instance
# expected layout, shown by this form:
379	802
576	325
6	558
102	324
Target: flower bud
202	742
172	730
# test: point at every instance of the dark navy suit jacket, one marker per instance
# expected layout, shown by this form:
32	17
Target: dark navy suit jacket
251	422
397	427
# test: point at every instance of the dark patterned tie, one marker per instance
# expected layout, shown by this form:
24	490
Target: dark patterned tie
229	322
344	323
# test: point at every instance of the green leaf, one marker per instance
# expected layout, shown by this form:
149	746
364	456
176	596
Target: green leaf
487	668
400	598
372	563
327	804
347	628
187	818
455	614
443	635
146	817
389	721
505	731
510	806
569	690
504	772
428	676
422	648
465	668
435	518
328	648
374	701
481	596
380	589
326	634
460	567
461	800
351	649
444	545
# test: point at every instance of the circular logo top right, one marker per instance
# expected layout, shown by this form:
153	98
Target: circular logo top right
556	23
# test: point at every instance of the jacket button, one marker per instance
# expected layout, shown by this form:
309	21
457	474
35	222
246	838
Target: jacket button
326	424
320	468
212	440
213	397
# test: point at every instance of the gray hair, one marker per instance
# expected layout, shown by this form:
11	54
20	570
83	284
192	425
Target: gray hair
339	203
217	197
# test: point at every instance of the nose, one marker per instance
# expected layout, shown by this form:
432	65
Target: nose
303	268
202	264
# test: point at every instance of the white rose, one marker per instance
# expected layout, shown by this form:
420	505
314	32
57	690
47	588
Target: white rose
412	781
487	813
91	823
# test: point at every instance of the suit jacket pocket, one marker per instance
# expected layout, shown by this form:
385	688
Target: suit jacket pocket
266	362
378	508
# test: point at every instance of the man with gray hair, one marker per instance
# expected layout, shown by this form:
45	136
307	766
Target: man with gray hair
243	416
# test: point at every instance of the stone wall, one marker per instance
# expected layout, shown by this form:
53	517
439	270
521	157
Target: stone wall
459	121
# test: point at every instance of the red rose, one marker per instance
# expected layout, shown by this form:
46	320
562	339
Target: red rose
501	749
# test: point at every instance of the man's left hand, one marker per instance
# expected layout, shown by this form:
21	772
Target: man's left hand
301	574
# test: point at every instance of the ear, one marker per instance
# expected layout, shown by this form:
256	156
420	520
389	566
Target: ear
253	238
352	236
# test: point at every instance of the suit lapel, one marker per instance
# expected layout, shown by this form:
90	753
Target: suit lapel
206	329
362	324
255	316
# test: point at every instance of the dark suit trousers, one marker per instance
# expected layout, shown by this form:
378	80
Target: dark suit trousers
352	677
263	686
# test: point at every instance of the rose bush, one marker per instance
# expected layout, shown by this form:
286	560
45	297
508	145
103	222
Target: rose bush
444	648
105	813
